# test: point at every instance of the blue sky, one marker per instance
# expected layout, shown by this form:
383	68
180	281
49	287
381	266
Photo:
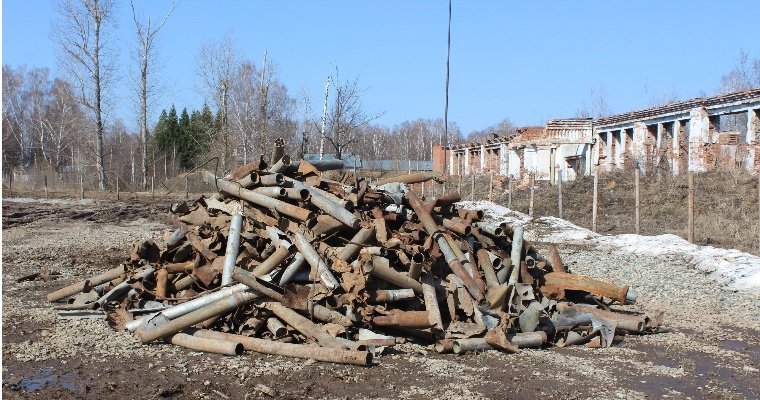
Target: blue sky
527	61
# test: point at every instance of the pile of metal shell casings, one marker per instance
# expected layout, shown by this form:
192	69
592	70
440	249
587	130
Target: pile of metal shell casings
282	260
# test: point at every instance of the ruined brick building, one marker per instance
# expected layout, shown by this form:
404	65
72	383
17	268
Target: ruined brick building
693	135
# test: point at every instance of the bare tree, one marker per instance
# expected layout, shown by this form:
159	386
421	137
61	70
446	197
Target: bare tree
346	116
744	75
80	33
217	64
63	118
144	55
596	105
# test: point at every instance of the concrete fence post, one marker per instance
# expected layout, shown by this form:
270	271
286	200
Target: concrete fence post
559	193
636	195
472	189
690	233
532	190
490	188
594	201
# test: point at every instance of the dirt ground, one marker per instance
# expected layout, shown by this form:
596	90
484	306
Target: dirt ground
45	357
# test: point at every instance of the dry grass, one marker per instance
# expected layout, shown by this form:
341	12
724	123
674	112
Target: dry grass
726	206
726	209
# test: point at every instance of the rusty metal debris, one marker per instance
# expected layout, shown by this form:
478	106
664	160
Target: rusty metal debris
286	261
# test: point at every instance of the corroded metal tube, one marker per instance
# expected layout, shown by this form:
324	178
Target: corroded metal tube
380	267
149	334
432	230
340	356
233	189
207	345
271	191
517	247
416	177
299	194
292	269
405	319
325	275
383	296
272	261
78	287
233	245
484	262
305	326
281	165
567	281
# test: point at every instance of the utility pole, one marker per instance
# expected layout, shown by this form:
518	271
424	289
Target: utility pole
324	119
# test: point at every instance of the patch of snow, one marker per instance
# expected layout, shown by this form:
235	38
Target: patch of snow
730	267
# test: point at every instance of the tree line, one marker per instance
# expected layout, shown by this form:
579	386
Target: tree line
63	122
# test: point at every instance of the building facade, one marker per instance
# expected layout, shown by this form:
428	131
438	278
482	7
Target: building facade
692	135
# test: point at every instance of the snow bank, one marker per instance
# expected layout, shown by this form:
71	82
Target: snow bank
732	268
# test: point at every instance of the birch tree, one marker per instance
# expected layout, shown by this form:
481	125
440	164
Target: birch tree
145	55
80	34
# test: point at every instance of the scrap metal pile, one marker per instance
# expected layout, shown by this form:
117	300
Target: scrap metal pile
284	261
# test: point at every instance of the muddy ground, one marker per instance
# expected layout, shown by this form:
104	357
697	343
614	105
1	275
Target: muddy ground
45	357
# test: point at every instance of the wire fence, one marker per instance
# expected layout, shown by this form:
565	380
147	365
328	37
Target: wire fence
726	212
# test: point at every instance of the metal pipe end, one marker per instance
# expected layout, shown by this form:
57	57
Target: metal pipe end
418	257
279	178
467	230
305	194
255	177
631	296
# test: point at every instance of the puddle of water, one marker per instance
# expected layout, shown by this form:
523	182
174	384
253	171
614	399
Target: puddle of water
47	377
741	347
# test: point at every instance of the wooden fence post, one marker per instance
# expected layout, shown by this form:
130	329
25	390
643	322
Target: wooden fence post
509	198
559	193
690	234
594	202
636	195
187	188
532	189
117	187
46	186
490	188
10	184
81	186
